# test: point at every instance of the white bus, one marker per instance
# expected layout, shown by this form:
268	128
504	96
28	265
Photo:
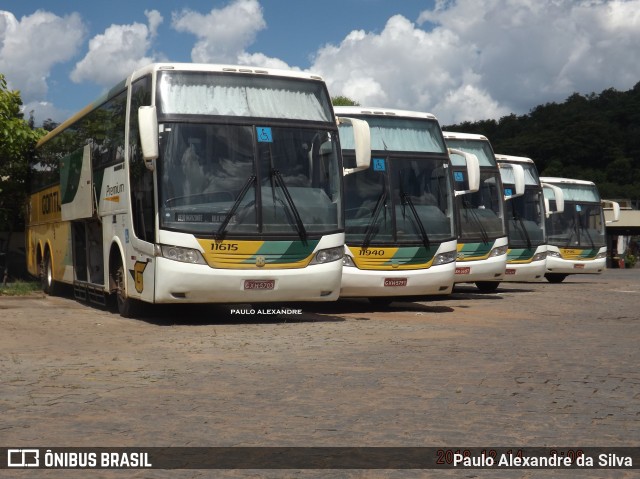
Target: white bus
525	216
194	183
482	239
576	237
400	221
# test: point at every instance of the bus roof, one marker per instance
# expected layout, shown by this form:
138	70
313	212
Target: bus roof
566	181
513	159
222	68
155	67
360	110
464	136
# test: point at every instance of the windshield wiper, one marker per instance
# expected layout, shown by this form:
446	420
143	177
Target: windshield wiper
574	229
374	218
474	214
518	218
302	232
223	226
406	199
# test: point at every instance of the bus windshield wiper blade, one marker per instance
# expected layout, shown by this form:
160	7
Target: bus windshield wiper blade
223	226
407	199
518	218
374	218
474	214
302	232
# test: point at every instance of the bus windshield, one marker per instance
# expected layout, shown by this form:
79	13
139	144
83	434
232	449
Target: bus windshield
222	179
581	224
399	199
525	214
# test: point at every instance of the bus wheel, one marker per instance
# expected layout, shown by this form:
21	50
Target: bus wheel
127	307
46	275
487	286
555	277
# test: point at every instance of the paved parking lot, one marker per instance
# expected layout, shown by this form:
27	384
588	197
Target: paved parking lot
533	365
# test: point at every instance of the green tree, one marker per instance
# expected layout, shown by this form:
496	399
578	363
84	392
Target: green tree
591	137
17	139
343	101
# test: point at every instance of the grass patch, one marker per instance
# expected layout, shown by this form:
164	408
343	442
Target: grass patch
19	288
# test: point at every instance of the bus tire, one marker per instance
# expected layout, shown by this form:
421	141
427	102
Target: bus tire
487	286
47	282
555	277
127	307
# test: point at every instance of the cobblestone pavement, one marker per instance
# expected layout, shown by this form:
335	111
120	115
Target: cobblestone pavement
533	365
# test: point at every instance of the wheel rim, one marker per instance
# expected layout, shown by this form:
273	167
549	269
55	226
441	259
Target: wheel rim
49	273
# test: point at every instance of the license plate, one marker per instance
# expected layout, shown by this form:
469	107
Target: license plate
463	270
395	282
510	271
578	266
259	283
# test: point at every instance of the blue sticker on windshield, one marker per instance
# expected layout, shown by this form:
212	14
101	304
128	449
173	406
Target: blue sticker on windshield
458	176
264	134
378	164
508	191
578	208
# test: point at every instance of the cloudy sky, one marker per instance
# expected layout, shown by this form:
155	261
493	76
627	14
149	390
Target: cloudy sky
459	59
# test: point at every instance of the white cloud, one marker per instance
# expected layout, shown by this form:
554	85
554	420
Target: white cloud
477	59
118	51
31	46
44	110
261	60
223	34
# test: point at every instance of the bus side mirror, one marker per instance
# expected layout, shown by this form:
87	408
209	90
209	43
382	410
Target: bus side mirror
362	142
518	181
615	206
148	125
559	197
473	170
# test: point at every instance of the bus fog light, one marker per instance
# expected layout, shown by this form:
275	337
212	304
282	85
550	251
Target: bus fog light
328	255
444	258
183	255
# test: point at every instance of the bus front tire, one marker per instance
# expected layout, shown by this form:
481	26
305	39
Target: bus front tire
555	277
127	307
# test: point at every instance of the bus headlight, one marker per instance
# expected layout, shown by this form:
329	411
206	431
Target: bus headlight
555	254
499	251
184	255
347	261
444	258
601	255
328	255
539	256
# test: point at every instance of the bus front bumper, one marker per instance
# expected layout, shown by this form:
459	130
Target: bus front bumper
525	272
563	266
188	283
359	283
490	269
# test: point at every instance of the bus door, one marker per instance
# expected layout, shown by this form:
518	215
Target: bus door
78	207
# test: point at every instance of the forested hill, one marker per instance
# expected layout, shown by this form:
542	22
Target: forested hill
594	137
